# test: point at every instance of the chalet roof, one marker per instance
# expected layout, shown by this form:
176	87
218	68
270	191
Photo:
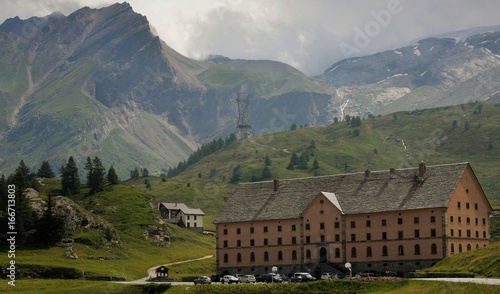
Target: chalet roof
352	193
183	207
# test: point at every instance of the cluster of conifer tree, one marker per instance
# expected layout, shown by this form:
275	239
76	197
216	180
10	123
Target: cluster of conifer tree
302	161
205	150
49	228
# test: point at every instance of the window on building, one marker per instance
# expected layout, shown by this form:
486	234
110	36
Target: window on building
353	252
484	234
417	249
433	232
452	232
467	220
238	231
475	206
484	221
460	233
384	251
294	228
434	248
188	225
294	240
294	255
337	252
416	220
337	238
384	222
226	258
459	206
308	239
384	235
280	241
337	225
469	248
468	234
433	219
368	251
400	235
353	237
401	250
252	256
225	232
279	228
238	243
417	233
188	217
368	223
467	205
400	221
265	242
322	238
477	234
238	257
452	248
265	229
308	254
280	255
252	242
308	226
321	226
225	243
459	248
368	236
266	256
252	230
353	224
451	218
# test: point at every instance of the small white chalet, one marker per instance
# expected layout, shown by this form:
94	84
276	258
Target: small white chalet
184	216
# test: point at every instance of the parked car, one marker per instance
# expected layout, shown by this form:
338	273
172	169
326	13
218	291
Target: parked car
269	278
202	280
327	276
302	277
230	279
248	279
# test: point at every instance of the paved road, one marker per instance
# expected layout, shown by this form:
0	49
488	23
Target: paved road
465	280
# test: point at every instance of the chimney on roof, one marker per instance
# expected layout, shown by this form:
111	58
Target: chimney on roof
367	174
392	173
421	169
276	185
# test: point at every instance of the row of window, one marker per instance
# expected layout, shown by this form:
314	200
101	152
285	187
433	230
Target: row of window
385	252
279	240
468	232
467	220
467	205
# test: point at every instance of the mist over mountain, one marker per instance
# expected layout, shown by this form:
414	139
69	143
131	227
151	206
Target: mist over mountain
99	82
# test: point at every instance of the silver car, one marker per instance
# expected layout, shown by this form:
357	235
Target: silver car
247	279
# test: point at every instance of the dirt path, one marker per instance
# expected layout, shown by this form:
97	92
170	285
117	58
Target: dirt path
151	271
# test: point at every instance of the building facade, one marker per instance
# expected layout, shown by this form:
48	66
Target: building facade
184	216
397	220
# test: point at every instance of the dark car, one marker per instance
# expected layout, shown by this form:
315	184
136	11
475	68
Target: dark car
302	277
268	278
202	280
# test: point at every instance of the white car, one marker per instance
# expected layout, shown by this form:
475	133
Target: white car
247	279
229	279
326	276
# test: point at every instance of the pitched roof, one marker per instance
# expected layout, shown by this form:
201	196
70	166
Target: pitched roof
354	193
183	207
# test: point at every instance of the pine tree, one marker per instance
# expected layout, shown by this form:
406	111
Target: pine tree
96	177
290	166
147	183
145	173
50	228
88	167
266	173
134	174
315	164
267	160
45	171
235	177
70	180
302	161
112	177
24	214
294	159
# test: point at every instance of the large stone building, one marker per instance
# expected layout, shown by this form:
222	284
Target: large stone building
394	220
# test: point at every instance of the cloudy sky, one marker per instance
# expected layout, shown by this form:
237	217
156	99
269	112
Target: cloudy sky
309	35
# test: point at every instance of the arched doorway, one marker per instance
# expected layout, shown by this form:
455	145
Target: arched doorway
323	255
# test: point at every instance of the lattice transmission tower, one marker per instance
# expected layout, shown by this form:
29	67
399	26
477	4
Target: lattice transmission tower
243	127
